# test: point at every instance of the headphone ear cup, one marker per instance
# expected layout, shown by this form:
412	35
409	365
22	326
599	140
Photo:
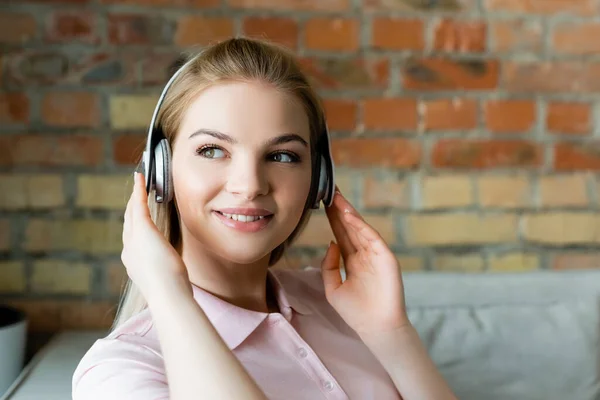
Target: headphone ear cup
322	187
168	172
164	183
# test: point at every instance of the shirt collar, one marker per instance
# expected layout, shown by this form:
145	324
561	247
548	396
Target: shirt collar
234	324
288	294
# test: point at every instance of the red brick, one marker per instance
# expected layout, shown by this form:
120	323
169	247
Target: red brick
576	156
331	34
56	67
450	114
580	38
79	2
127	29
276	29
340	114
71	109
516	35
398	34
14	108
45	150
390	114
104	68
137	29
35	66
296	5
357	73
485	154
69	26
552	77
157	66
430	6
168	3
546	7
510	115
569	118
50	315
128	148
449	74
17	28
384	152
460	36
203	30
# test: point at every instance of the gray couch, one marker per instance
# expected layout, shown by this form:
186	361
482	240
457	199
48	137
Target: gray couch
522	336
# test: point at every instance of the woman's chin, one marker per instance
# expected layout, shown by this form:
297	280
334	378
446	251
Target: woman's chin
241	254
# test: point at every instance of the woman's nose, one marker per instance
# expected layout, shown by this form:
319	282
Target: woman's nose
247	179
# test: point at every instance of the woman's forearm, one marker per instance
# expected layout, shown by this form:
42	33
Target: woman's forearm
406	360
198	363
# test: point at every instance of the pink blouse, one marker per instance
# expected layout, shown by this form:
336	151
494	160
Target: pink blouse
306	352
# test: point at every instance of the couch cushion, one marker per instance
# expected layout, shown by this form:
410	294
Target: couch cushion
511	336
49	374
434	288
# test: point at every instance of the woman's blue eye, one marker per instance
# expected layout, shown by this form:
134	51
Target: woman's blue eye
213	152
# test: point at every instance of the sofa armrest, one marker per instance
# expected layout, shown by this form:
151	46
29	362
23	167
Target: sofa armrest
49	373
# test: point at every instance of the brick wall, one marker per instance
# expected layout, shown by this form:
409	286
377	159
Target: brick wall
465	130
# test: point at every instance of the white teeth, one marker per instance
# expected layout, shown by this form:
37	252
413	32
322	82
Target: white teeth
242	218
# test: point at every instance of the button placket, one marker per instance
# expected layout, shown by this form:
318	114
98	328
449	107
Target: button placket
314	367
302	353
328	386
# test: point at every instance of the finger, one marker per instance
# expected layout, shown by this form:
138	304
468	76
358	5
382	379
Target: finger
127	223
141	197
344	207
330	269
368	237
339	231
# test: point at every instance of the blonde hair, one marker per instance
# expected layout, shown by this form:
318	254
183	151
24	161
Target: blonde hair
236	59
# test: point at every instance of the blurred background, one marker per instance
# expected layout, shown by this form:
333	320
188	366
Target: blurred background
465	131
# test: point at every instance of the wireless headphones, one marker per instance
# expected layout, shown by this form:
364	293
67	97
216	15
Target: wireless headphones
156	159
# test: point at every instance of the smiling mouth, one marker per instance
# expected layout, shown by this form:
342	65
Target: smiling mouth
244	218
244	223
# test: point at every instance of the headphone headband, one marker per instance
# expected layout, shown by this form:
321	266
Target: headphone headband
326	180
154	133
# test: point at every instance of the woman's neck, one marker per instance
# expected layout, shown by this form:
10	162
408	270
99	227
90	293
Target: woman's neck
244	285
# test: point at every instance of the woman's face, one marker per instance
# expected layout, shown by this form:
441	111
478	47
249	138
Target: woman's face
242	169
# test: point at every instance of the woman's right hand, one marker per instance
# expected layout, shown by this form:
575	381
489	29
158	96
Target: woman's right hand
151	261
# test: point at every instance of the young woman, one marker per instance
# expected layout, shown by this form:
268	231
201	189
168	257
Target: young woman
204	317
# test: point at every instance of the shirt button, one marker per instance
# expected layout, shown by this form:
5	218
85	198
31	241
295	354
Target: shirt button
273	320
329	386
302	353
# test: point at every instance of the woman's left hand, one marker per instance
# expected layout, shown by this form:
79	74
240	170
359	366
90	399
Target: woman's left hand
371	299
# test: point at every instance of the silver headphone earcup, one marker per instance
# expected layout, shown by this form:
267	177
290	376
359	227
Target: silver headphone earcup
322	186
327	173
162	162
329	189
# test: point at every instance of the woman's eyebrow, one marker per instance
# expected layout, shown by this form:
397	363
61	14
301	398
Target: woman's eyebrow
285	138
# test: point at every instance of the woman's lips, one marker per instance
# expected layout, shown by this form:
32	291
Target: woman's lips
253	226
